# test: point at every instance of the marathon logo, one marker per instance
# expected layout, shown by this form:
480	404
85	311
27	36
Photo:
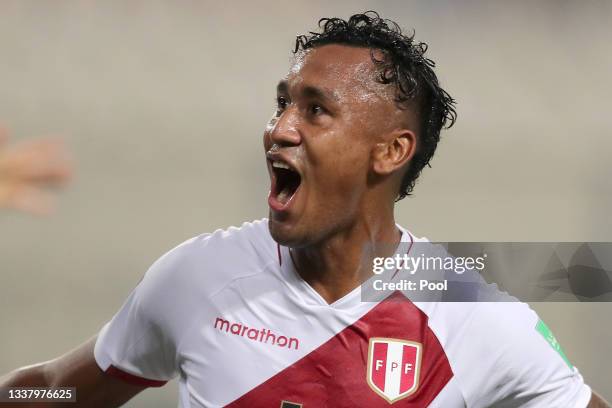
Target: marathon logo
262	335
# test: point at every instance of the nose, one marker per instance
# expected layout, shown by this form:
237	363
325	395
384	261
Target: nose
284	130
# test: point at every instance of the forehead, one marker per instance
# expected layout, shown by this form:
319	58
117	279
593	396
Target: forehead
332	57
348	71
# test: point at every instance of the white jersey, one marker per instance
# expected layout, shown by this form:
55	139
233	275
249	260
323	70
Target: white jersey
228	313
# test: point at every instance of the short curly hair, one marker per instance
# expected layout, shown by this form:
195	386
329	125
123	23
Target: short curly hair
403	64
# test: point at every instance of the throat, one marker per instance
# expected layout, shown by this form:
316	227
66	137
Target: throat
335	269
330	286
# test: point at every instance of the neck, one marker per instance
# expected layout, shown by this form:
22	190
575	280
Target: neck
335	266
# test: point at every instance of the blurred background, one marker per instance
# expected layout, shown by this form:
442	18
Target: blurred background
163	104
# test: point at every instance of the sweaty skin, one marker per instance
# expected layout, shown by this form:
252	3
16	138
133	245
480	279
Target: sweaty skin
351	144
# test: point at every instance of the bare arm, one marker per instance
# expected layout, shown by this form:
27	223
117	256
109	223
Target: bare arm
79	369
597	402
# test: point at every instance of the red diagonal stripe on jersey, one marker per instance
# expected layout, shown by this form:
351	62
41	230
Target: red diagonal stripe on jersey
334	375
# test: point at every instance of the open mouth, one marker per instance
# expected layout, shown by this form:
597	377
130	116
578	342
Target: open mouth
285	183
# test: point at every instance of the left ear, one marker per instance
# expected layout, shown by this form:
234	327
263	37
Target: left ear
395	152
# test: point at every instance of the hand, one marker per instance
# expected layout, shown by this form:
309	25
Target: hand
28	170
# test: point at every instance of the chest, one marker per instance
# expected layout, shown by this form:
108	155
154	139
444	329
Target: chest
273	351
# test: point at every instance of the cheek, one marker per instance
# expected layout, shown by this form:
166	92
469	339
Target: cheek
345	167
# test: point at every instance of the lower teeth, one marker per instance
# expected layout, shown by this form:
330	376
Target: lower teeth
283	196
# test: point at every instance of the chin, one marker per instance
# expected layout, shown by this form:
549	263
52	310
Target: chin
285	233
281	232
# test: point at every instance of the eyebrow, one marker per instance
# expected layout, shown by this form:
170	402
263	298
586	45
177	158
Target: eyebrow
310	91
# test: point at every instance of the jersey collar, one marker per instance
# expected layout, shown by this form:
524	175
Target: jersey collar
309	295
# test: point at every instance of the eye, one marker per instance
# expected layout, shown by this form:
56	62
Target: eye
315	109
281	104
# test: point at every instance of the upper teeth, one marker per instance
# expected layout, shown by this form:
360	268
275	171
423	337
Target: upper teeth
280	165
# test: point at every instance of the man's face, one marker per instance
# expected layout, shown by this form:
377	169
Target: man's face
330	114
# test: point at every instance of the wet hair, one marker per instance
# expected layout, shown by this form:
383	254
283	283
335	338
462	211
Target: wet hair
403	64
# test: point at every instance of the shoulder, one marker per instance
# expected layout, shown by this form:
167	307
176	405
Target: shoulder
250	244
474	329
202	265
498	350
250	238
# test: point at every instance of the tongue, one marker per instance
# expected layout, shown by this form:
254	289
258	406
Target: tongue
284	195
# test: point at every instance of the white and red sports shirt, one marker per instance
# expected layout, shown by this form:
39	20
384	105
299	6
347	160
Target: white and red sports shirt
228	313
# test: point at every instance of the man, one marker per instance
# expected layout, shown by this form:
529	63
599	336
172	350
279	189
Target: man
270	314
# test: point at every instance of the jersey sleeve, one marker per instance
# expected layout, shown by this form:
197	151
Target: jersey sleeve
515	361
139	344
